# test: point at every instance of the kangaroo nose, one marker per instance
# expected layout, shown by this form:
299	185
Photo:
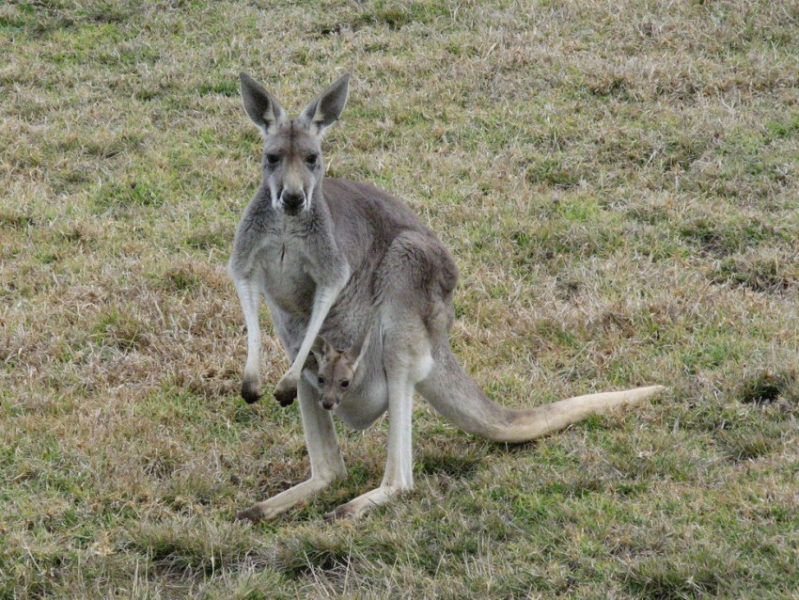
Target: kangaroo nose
292	201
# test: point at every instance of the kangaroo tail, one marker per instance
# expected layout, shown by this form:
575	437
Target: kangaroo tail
458	398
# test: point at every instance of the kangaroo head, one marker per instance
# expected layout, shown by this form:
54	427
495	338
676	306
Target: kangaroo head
337	369
292	159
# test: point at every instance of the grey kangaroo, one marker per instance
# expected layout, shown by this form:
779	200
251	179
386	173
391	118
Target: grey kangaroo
353	263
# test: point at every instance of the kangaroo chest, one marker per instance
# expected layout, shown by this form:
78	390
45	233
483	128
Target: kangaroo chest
286	278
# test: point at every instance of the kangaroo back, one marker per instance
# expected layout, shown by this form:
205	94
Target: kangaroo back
459	400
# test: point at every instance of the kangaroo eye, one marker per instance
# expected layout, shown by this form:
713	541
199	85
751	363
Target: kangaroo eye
272	159
345	383
311	160
321	380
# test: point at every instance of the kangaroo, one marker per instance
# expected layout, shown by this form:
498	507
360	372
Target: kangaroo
336	370
351	262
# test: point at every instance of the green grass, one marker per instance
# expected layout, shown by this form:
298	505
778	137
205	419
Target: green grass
618	184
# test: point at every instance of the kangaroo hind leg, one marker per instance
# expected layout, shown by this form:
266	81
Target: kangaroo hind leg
410	292
323	451
398	475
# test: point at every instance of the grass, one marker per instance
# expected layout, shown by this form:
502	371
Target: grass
618	185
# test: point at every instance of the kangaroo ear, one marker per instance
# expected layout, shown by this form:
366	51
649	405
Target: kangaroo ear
262	109
322	349
318	349
327	107
361	351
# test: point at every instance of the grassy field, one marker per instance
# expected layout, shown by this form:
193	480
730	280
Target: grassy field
618	183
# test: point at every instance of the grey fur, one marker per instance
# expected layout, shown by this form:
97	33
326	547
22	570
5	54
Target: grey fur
340	259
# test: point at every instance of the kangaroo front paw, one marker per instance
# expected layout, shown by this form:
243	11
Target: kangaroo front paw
286	390
250	389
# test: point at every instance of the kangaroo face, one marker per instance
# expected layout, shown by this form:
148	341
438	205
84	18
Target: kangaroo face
336	372
337	369
292	166
292	147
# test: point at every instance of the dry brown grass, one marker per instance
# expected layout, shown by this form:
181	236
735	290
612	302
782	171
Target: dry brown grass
618	185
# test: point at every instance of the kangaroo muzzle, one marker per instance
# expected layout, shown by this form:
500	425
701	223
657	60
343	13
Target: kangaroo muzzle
292	201
329	402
